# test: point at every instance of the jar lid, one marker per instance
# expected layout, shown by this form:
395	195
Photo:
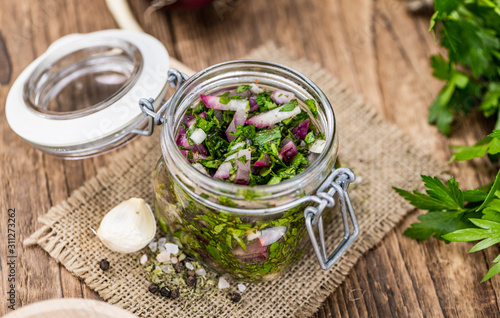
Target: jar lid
80	97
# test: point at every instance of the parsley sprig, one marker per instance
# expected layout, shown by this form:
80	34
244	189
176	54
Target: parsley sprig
456	215
489	145
470	31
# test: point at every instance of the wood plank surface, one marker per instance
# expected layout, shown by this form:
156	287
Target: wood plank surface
375	47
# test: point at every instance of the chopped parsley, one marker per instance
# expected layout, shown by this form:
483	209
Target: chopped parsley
254	137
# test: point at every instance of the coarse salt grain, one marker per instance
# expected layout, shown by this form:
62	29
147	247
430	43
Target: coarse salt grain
241	287
144	259
174	260
201	272
223	283
153	246
162	241
172	248
167	268
161	244
163	257
189	266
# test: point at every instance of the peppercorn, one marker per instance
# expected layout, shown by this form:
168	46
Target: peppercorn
191	281
165	292
104	264
234	297
179	267
175	293
153	288
191	273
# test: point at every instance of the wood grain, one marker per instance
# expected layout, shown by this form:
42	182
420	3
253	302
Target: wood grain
6	69
375	47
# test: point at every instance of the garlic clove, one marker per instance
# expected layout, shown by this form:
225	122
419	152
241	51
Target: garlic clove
128	227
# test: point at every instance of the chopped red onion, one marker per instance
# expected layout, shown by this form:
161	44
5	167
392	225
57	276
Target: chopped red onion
289	151
238	119
301	130
223	171
281	97
214	102
243	172
253	103
189	120
264	161
318	146
256	89
255	252
200	168
198	136
270	235
271	117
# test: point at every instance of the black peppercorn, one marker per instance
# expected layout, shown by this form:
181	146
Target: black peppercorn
191	281
191	273
175	293
179	267
234	297
153	288
104	264
165	292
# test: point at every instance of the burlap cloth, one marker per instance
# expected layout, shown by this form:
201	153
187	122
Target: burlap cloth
380	154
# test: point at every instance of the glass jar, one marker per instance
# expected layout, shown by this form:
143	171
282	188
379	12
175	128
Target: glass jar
252	233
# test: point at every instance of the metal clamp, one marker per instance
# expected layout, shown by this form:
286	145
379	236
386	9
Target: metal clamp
337	182
175	79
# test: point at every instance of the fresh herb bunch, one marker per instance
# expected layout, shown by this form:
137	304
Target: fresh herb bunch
470	31
489	145
456	215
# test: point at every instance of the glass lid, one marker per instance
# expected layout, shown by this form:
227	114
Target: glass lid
80	98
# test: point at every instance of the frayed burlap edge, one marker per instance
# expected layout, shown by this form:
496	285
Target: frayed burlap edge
373	230
46	238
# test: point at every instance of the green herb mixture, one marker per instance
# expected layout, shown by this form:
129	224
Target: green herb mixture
249	248
250	136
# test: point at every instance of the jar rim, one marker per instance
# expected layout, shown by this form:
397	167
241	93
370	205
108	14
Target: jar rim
234	191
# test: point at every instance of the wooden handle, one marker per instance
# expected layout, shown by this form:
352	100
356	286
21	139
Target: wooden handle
125	19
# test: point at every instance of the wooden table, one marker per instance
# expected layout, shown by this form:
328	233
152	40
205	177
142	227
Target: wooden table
375	47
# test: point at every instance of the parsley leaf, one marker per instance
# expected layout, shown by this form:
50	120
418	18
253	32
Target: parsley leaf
489	145
309	138
438	196
470	31
265	136
435	224
243	88
288	107
265	102
311	104
203	124
449	217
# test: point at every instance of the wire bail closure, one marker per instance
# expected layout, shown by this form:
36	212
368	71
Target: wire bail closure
337	182
175	79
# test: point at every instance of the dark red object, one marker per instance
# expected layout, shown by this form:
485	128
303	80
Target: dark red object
253	104
264	161
301	130
289	151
